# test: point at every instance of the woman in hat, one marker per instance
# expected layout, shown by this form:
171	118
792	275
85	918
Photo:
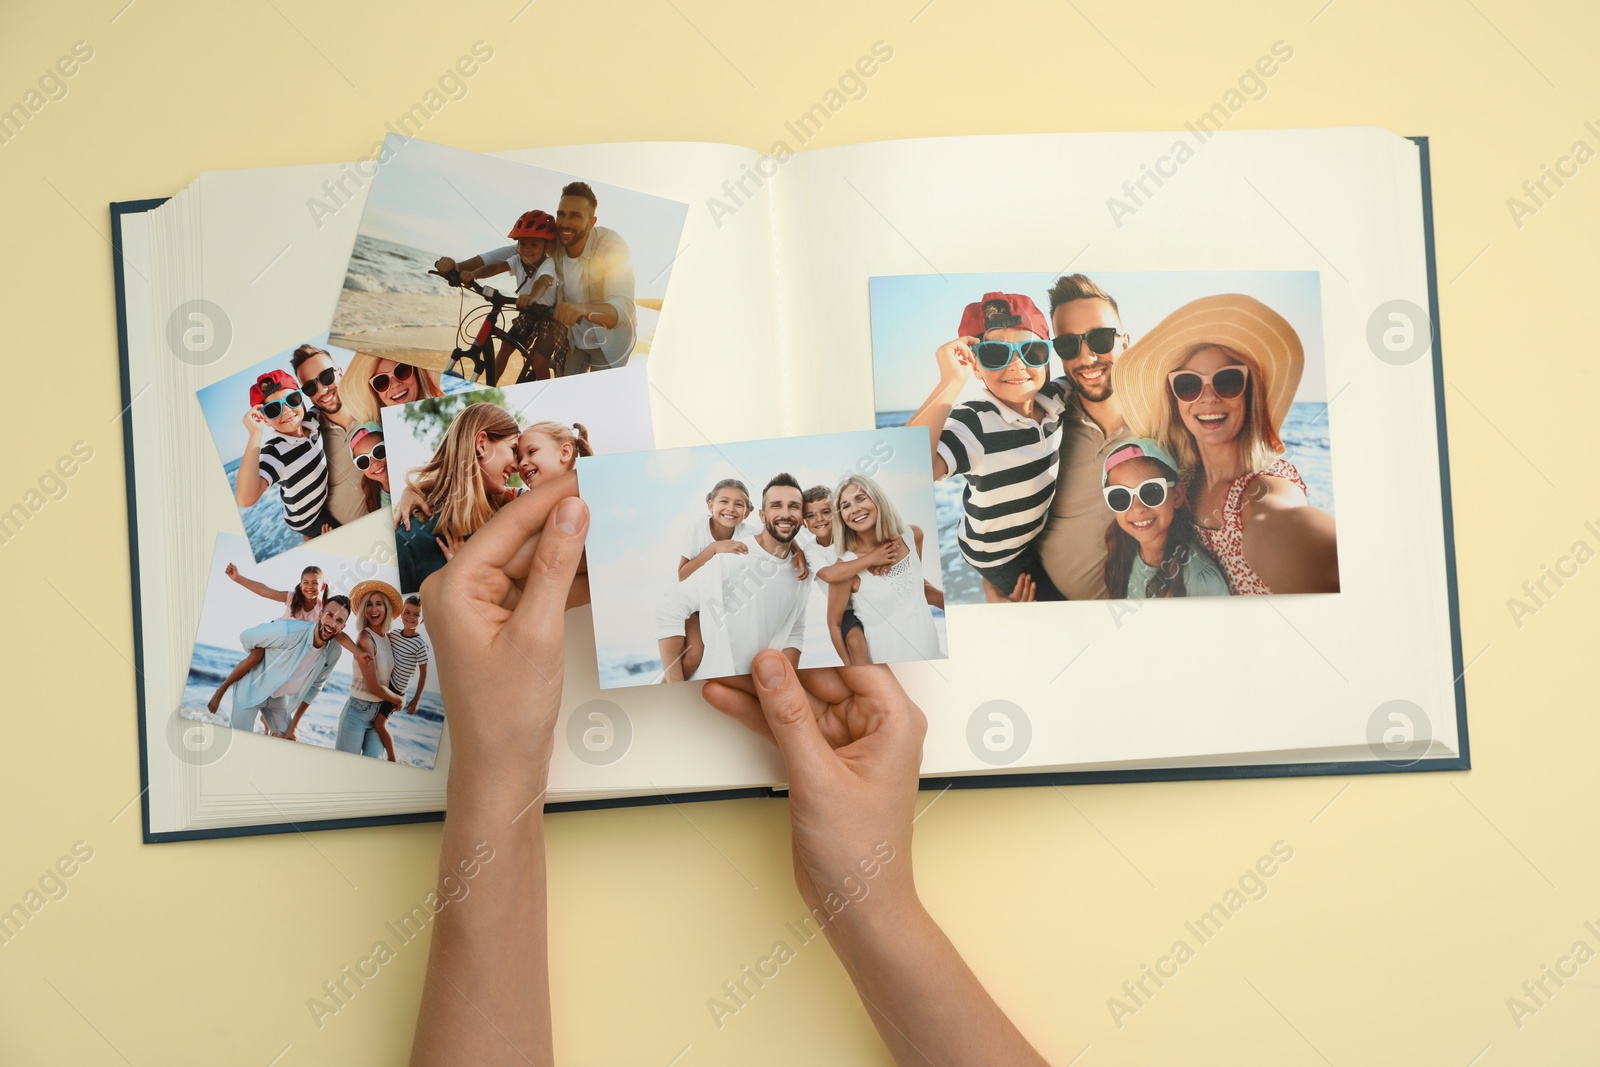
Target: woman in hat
361	728
1212	383
459	490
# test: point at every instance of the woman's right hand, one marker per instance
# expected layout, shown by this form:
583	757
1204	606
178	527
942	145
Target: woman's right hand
232	571
956	360
852	742
410	501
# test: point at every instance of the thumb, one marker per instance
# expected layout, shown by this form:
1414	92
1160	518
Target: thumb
787	707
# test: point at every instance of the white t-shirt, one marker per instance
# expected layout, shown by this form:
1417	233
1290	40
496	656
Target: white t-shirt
747	602
818	650
698	537
509	255
302	671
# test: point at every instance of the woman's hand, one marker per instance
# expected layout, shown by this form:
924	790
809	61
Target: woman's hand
232	571
410	501
852	742
956	359
495	613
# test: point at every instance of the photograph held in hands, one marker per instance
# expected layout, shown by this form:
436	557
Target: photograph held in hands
824	548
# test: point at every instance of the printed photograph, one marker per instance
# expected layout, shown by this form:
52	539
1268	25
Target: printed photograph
1116	436
315	648
825	548
460	458
502	273
300	442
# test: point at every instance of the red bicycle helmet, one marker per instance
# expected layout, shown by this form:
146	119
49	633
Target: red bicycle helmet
535	223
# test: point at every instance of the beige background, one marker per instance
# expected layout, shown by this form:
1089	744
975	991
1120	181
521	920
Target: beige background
1414	906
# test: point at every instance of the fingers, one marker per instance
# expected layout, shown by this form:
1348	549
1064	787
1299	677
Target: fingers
738	705
540	611
878	687
788	711
510	529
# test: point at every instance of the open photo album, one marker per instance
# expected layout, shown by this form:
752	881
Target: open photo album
1122	489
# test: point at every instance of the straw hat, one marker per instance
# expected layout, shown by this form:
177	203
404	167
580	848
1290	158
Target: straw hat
358	596
1242	323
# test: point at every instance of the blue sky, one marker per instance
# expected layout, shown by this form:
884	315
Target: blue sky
912	315
224	403
450	202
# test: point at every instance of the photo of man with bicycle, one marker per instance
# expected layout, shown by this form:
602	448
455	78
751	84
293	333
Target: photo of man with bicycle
573	302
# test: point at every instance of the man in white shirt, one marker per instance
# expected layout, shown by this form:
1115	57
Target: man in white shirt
748	601
594	272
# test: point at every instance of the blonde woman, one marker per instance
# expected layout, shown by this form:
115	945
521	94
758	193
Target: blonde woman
460	489
361	721
893	606
372	383
1212	384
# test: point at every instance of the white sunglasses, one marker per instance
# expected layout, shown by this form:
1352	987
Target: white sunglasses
1152	493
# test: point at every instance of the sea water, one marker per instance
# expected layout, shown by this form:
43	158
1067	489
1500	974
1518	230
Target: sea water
1305	437
416	737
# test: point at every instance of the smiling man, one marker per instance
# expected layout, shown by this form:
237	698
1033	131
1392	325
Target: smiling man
319	380
1088	339
748	601
288	662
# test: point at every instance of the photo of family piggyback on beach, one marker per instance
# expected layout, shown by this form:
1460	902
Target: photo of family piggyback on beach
300	441
824	548
1140	435
303	648
581	268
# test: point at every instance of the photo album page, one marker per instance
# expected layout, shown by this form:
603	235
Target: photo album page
1101	440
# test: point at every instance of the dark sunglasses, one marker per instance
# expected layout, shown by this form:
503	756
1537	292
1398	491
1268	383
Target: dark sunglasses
273	408
366	460
1227	383
318	382
402	373
996	355
1152	493
1101	340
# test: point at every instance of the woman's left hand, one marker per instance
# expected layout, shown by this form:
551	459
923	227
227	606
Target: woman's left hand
496	617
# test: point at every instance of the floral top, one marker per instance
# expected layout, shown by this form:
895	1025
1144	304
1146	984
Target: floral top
1226	542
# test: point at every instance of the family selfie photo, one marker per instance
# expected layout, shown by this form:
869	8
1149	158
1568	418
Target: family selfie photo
1122	436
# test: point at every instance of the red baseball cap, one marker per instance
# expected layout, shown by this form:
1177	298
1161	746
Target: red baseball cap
277	380
1001	311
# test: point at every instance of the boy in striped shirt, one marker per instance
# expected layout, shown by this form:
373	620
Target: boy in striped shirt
292	459
1007	442
411	651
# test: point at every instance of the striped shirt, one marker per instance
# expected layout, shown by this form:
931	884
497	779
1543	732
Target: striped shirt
408	652
299	467
1009	461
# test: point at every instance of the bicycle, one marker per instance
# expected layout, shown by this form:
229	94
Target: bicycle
533	332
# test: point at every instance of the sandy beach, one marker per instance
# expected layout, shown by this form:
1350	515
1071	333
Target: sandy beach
420	328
